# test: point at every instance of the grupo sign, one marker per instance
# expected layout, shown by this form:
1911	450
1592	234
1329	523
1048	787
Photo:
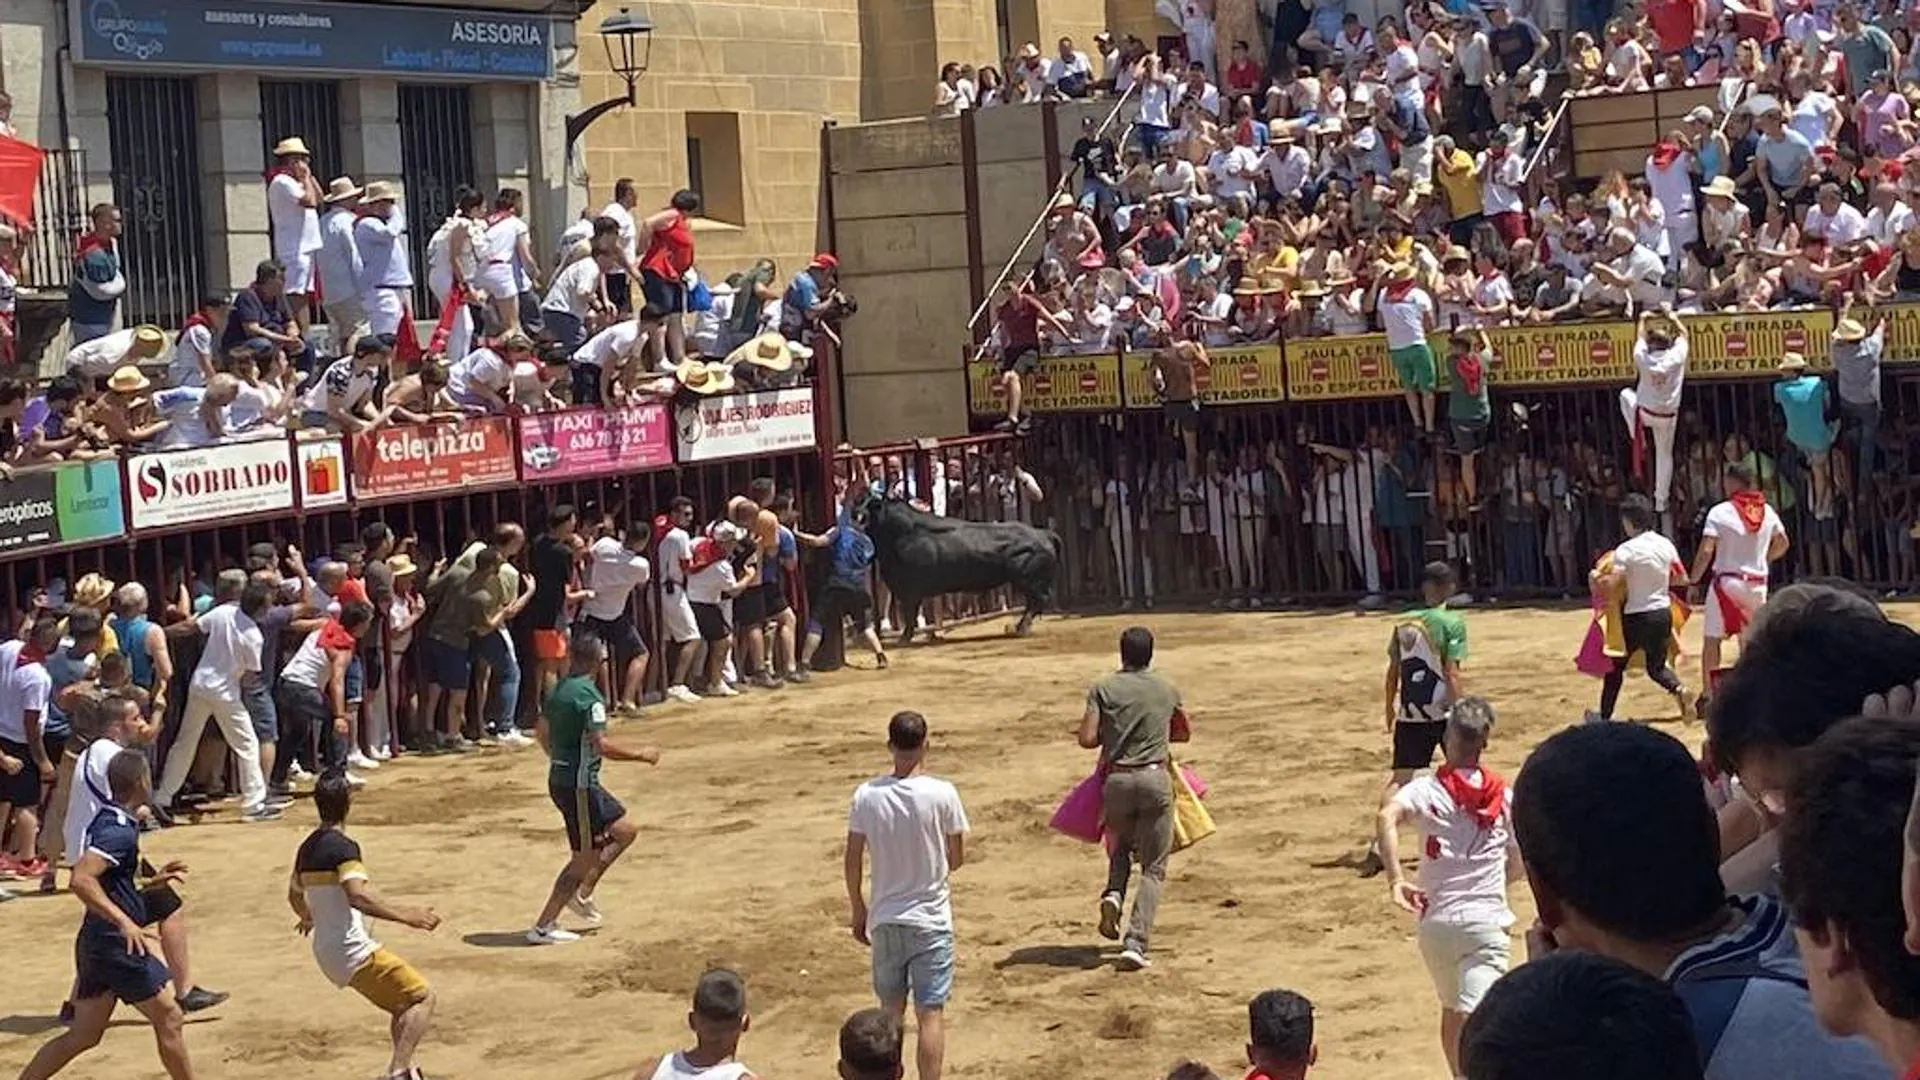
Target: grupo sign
593	441
745	425
423	458
230	481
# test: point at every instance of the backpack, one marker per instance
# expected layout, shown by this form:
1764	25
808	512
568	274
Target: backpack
1423	682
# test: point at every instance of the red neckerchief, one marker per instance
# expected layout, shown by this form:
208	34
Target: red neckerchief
1752	506
1485	802
1495	153
1397	293
195	319
90	243
30	654
706	552
335	636
1913	1071
1471	371
497	217
1665	154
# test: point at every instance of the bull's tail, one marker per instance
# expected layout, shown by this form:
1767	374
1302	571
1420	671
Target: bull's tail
1059	545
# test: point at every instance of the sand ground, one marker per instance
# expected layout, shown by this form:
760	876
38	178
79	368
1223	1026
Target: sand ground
739	863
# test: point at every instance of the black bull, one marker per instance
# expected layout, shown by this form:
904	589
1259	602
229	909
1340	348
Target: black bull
922	555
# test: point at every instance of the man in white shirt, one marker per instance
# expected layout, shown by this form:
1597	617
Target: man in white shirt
1070	74
193	350
1468	857
1835	221
1742	538
1631	273
232	650
1890	217
676	610
338	265
1502	173
1653	402
25	687
293	214
1238	168
1287	163
1201	92
917	830
1407	315
618	567
620	210
386	267
1638	576
573	298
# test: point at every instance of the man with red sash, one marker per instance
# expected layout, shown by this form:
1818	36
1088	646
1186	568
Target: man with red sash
1652	404
1467	858
1742	537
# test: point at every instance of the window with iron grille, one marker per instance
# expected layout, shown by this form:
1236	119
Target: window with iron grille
436	156
153	129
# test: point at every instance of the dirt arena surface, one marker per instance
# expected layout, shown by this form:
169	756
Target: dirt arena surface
739	863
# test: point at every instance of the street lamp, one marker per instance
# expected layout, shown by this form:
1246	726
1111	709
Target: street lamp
629	42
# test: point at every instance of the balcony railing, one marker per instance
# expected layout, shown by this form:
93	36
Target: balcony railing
59	217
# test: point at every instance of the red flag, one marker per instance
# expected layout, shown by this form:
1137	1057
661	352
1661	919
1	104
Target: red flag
406	342
19	176
456	299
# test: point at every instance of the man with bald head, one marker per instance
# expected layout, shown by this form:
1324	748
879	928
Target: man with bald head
231	653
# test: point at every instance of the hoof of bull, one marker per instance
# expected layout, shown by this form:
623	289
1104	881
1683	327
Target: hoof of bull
1021	629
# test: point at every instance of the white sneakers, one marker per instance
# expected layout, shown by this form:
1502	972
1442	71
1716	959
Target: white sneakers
1134	960
585	909
682	694
513	740
359	760
723	689
550	935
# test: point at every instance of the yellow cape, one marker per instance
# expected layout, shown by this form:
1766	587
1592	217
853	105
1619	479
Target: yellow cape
1610	617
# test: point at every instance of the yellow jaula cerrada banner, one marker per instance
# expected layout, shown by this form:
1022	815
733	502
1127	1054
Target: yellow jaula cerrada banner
1231	375
1059	384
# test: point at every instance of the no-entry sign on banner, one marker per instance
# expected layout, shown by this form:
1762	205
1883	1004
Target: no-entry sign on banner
231	481
594	442
745	425
418	459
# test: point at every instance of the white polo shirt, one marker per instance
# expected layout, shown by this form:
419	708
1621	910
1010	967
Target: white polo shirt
23	689
1463	867
1405	320
1737	551
232	650
1663	372
1647	560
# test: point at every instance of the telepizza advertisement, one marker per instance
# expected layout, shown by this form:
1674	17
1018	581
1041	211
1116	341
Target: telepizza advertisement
1059	384
1230	375
1732	346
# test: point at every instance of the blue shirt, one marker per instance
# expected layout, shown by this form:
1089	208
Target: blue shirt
785	549
64	669
132	636
250	307
802	294
852	553
115	837
99	267
1804	402
1392	507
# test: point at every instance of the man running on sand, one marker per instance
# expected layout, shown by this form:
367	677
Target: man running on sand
114	959
1467	858
1742	537
1644	567
1423	678
918	832
330	894
572	731
718	1019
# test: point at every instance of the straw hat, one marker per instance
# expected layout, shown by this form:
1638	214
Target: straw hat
770	351
1849	330
1252	287
704	378
148	342
128	380
400	565
1312	290
92	591
1029	51
1720	186
292	147
342	188
1061	202
1400	274
1792	362
381	191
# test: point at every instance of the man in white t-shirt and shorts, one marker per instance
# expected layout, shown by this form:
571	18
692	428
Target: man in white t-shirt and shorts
917	831
1407	315
1467	858
676	609
1742	538
1653	402
293	214
1644	567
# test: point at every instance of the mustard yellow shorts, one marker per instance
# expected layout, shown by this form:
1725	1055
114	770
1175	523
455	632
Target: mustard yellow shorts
389	982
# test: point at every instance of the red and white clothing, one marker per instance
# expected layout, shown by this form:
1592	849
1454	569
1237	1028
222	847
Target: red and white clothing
1653	404
500	256
1742	530
295	229
1465	825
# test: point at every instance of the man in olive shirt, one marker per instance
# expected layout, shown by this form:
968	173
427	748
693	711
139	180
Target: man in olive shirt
448	669
1130	719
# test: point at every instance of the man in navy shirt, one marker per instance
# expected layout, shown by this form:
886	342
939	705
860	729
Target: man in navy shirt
113	957
260	311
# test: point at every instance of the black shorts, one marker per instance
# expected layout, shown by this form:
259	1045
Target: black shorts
712	622
620	293
1021	359
160	900
1468	438
620	635
1414	742
663	297
103	966
22	789
750	607
589	813
1184	414
774	594
843	601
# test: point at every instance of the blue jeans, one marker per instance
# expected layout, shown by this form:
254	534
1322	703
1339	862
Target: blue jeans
915	958
496	652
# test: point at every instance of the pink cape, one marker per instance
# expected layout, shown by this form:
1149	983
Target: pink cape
1079	814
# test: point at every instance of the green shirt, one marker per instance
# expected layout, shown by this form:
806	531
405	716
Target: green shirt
574	711
1464	407
1448	630
1136	714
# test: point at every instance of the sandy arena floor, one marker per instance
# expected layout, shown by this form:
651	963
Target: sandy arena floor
739	863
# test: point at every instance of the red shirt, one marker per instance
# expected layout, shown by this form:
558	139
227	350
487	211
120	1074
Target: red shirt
1243	77
1020	321
352	591
1675	21
670	250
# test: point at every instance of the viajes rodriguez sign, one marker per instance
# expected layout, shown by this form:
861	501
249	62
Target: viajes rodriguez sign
66	504
235	480
418	459
745	425
594	442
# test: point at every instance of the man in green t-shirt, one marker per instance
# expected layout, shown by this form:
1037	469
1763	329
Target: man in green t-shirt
1423	680
572	730
1469	413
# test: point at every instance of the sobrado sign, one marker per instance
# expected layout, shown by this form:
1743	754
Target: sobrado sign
66	504
236	480
745	425
430	458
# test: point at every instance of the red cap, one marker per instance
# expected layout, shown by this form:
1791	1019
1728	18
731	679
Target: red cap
825	261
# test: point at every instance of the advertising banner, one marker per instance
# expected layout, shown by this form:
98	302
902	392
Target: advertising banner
1329	369
430	458
1903	331
594	442
64	504
274	35
1231	375
1060	384
180	487
1557	354
322	465
745	425
1731	346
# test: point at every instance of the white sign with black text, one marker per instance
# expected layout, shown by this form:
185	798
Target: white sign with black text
231	481
744	425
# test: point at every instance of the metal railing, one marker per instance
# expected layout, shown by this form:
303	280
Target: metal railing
59	217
